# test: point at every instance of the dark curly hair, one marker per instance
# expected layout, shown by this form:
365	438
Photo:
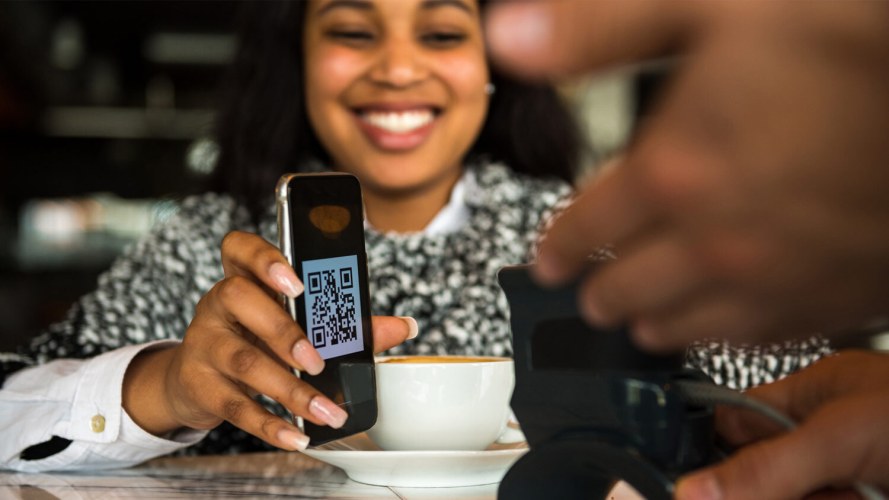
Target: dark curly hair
263	129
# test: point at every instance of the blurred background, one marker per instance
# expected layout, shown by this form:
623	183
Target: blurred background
106	110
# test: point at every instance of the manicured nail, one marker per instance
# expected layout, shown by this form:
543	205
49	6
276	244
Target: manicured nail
328	412
412	323
701	486
286	279
519	28
307	357
293	439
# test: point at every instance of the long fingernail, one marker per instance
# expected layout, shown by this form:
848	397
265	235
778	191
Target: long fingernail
519	28
286	279
412	324
702	486
293	439
328	412
307	357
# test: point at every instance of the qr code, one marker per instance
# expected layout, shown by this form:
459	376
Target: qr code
333	308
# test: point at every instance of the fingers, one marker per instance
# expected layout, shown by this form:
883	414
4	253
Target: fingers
240	303
786	467
606	212
848	373
707	315
245	413
803	461
389	331
851	372
240	363
555	38
244	363
739	426
640	282
249	255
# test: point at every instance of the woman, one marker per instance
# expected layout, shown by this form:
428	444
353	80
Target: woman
459	168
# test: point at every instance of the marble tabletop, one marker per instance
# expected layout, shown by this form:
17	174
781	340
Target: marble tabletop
256	475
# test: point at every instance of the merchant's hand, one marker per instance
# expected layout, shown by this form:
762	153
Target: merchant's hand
842	405
752	204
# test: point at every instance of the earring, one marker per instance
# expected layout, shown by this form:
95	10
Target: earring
490	88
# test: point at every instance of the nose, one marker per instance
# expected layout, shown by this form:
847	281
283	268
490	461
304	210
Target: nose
400	63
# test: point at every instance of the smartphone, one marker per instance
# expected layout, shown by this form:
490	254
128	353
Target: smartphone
321	232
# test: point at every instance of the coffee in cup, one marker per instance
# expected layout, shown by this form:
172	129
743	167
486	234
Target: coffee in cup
441	402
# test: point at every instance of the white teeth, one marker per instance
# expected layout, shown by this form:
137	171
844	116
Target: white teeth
399	122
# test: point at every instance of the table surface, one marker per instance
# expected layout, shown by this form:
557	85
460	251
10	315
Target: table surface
255	475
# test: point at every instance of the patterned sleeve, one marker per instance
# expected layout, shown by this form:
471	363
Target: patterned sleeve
148	294
553	202
745	366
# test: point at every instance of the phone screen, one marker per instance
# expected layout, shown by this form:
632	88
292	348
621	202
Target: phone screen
333	305
325	229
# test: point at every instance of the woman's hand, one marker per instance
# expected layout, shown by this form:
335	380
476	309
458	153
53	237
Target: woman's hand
241	342
841	404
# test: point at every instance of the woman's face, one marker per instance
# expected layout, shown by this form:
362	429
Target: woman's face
395	89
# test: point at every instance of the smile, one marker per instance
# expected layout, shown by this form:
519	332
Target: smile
397	130
402	122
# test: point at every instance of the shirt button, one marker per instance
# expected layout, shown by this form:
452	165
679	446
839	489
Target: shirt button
97	423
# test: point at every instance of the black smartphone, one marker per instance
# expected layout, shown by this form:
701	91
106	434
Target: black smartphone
321	232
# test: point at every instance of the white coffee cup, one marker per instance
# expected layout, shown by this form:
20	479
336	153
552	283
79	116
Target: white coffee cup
442	402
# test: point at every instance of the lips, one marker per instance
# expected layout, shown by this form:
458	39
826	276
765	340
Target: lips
396	127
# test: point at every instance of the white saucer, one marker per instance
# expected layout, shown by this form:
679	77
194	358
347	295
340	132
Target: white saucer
364	462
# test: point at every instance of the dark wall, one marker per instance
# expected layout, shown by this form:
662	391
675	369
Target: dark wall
96	97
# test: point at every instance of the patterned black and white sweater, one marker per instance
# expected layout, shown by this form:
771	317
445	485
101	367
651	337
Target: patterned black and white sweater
446	281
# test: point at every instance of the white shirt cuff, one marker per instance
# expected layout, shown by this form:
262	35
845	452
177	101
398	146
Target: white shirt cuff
103	434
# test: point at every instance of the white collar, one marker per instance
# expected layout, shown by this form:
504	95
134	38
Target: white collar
453	216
